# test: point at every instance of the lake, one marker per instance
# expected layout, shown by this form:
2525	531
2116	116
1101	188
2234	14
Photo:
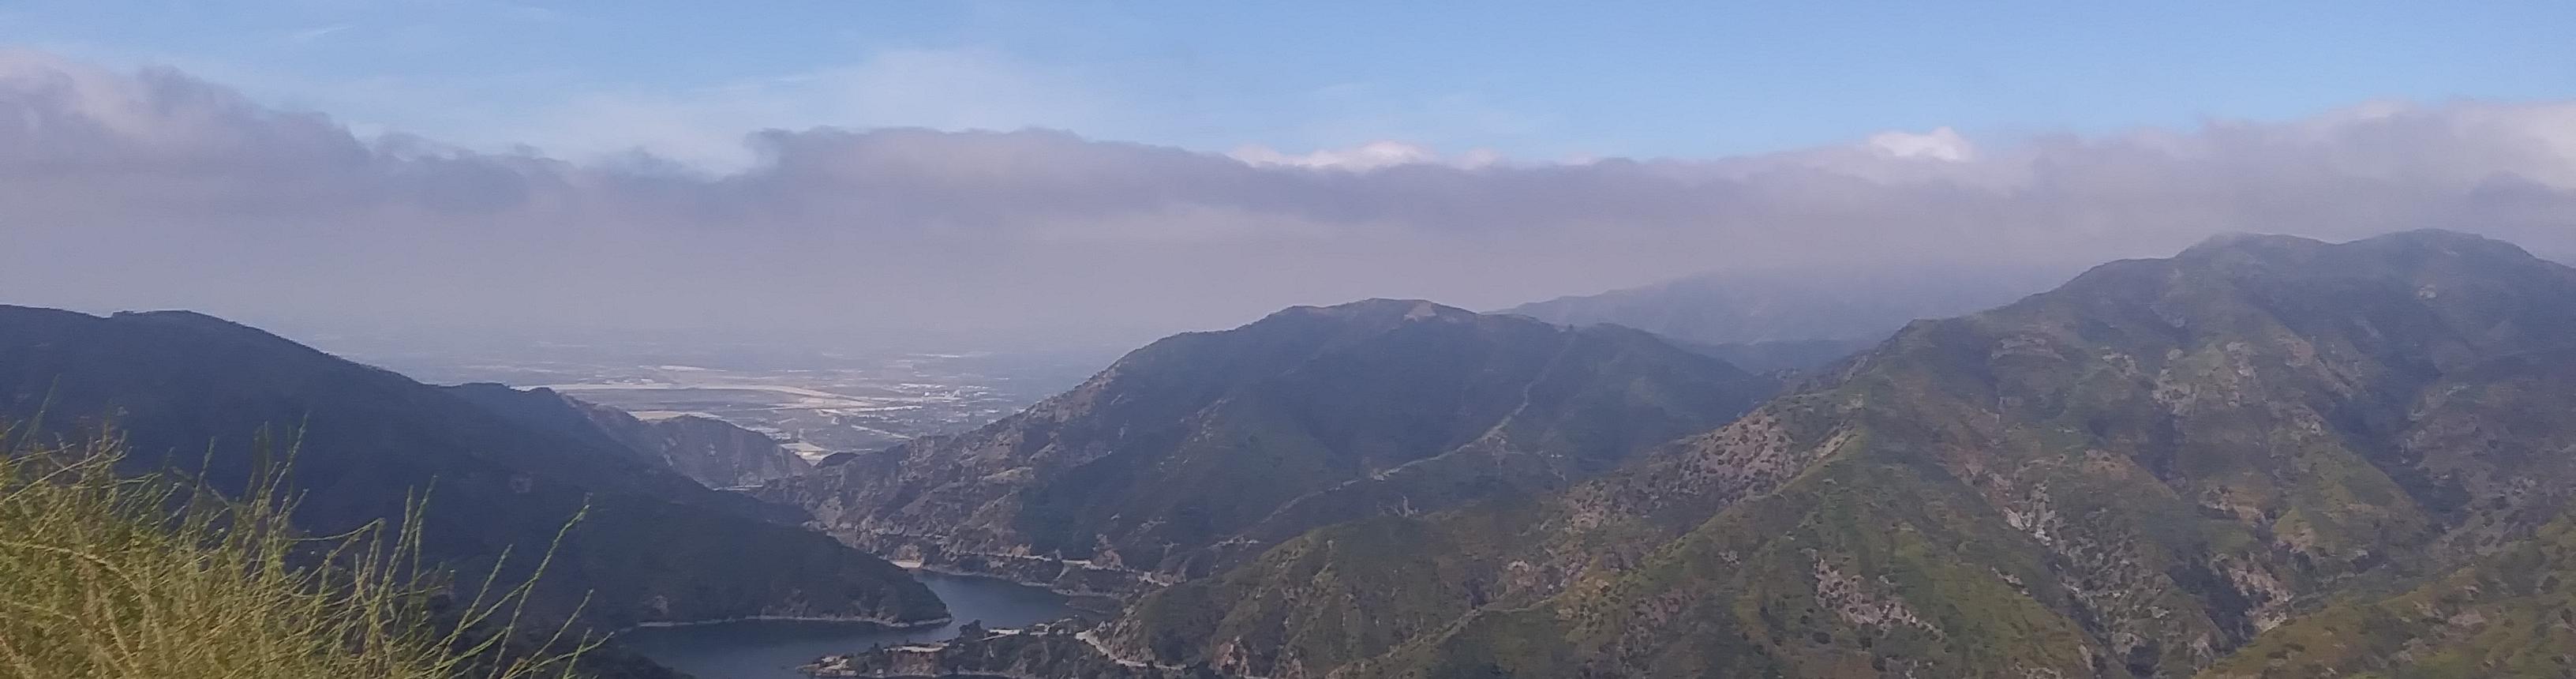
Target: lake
773	649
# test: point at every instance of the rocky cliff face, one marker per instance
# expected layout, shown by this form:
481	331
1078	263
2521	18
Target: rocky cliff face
1205	448
213	398
2138	474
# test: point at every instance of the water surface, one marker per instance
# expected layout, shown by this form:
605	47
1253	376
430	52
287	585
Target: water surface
772	649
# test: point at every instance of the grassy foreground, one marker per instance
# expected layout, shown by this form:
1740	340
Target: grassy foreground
105	576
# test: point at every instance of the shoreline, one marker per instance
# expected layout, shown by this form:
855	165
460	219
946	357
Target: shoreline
1078	601
960	573
1151	582
908	565
880	622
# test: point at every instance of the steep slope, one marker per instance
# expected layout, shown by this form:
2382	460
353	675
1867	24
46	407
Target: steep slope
714	452
195	393
1203	447
2504	430
2512	614
1750	308
2132	475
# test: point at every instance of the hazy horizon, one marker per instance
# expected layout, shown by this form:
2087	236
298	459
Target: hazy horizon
133	184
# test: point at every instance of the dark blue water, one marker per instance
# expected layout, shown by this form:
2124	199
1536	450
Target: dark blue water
772	649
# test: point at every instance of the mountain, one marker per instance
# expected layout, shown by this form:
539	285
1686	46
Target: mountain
714	452
1787	357
1752	308
213	398
2344	459
1203	448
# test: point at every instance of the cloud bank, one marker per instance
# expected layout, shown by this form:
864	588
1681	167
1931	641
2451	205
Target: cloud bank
156	189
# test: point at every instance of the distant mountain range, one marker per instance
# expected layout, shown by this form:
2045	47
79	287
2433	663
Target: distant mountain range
1851	307
213	398
1204	448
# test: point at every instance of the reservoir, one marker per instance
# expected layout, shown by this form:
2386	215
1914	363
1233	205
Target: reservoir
772	649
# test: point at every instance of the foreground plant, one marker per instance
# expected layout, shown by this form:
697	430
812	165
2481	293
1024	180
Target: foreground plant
105	574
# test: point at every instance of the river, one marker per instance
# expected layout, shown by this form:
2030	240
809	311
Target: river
772	649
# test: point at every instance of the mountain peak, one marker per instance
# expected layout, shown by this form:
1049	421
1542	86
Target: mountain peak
1807	304
1198	449
2440	240
1402	309
2236	241
2451	242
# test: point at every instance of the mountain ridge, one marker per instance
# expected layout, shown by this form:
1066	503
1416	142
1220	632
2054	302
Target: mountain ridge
2135	474
1756	307
1309	415
715	453
195	393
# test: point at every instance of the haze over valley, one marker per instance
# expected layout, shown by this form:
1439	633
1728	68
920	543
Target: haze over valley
818	401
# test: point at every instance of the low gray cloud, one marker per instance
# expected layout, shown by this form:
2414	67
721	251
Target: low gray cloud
154	189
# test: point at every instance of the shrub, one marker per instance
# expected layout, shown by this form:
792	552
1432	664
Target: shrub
109	574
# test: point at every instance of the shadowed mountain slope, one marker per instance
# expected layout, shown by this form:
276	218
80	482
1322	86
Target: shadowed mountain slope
196	393
716	453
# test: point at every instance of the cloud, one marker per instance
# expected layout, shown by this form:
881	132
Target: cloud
154	189
955	89
308	36
1939	144
1376	155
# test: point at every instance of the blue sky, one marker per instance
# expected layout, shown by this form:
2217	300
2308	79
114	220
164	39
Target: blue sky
1530	80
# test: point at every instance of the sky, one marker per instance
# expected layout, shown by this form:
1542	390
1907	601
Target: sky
1521	79
1129	169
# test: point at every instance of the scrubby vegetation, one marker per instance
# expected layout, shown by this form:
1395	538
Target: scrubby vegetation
104	574
2232	461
